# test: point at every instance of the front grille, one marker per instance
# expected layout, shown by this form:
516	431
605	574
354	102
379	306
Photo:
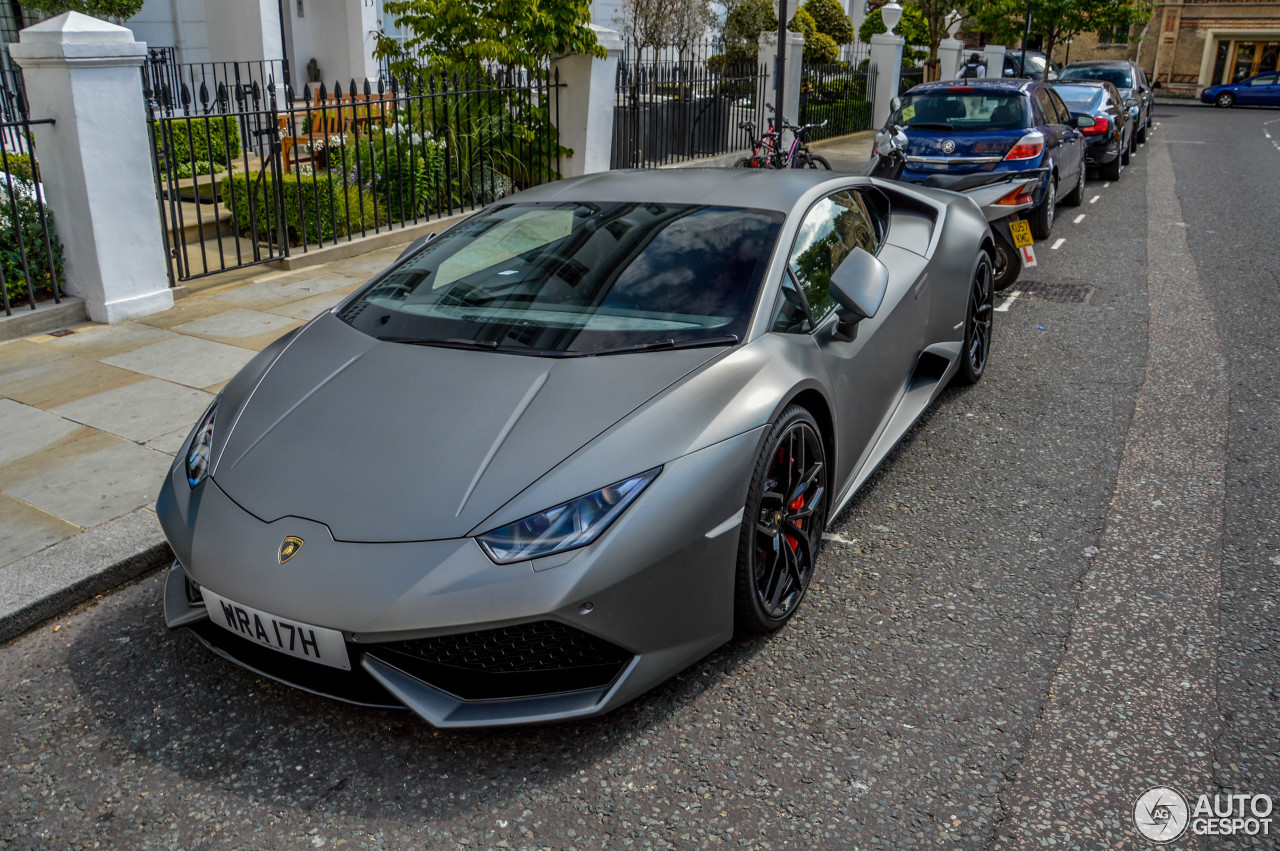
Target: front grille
544	657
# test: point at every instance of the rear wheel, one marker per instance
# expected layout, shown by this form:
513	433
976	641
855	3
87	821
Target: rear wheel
1041	217
782	524
1225	100
1111	170
812	161
745	162
977	323
1007	262
1127	153
1141	135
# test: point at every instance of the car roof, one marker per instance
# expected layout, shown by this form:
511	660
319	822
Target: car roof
1102	63
766	189
977	83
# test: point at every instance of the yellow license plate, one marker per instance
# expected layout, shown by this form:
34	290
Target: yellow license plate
1021	231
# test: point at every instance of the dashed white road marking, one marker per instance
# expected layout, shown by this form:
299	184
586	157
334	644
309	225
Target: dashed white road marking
1094	199
1267	133
1007	302
1058	244
1078	219
1106	184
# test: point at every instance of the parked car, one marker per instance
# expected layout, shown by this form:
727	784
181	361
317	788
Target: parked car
1109	142
471	487
1129	79
1035	68
1259	90
961	127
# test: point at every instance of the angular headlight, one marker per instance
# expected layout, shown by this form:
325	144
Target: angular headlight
568	526
198	454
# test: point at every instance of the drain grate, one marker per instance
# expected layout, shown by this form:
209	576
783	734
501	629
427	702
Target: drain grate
1056	292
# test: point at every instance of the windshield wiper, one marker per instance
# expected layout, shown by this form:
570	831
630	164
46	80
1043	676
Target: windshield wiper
483	345
659	345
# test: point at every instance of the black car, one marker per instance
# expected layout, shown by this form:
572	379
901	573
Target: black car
1035	66
1129	79
1109	142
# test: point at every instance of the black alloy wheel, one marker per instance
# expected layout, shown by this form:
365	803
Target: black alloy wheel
977	323
783	523
1226	100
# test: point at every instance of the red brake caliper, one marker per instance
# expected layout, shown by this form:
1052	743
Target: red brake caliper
796	506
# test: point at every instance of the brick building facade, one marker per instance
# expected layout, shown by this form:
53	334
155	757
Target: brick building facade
1191	44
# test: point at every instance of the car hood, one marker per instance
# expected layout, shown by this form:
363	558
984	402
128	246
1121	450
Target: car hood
394	442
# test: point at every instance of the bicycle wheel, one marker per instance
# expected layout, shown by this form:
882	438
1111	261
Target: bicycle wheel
812	161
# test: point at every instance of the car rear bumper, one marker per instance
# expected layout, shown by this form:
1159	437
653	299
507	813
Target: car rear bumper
438	628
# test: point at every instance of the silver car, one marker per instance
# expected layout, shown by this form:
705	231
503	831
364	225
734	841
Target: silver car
566	448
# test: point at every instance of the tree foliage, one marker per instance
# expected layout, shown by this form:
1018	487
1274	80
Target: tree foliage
912	27
1054	21
830	19
666	23
96	8
743	26
466	34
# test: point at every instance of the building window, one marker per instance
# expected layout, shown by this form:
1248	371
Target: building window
1115	35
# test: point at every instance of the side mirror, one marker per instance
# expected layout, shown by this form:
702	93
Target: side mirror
1009	72
895	104
415	245
1082	121
858	285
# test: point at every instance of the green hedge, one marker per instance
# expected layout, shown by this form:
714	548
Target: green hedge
204	139
28	224
845	116
20	166
317	208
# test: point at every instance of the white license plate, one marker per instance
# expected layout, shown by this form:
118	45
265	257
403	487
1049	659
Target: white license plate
313	643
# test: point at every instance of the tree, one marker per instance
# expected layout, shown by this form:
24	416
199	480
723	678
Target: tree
743	26
830	19
1054	21
96	8
666	23
467	34
825	27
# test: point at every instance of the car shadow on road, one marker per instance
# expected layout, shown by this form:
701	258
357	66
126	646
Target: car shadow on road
167	701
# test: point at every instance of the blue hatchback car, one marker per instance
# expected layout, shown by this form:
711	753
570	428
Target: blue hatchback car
1258	90
974	125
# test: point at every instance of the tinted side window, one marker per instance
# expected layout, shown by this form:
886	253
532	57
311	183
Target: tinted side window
1064	115
791	317
834	227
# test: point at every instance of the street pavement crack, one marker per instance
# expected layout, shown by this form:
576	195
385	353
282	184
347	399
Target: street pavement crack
1132	703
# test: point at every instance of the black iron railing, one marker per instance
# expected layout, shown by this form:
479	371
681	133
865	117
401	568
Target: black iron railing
839	94
247	174
669	111
30	252
911	77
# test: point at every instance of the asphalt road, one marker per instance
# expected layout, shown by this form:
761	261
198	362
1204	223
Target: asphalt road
1007	641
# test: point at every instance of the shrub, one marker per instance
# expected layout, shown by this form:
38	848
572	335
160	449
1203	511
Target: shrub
29	227
845	116
198	167
820	48
20	166
204	139
400	166
317	207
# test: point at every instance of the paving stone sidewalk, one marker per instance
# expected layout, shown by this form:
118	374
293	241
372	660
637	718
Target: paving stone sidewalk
90	421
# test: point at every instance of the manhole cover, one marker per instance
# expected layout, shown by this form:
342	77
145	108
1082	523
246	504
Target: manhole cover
1055	292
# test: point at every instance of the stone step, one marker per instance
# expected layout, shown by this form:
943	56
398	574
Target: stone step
189	222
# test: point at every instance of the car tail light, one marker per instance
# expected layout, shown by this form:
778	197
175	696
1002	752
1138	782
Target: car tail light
1029	147
1100	125
1021	195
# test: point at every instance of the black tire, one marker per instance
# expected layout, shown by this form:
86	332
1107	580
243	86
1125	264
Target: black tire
788	495
1111	170
1041	218
1075	197
815	161
745	162
1126	156
1007	262
1141	135
977	323
1226	100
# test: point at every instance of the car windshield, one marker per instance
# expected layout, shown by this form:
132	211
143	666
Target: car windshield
577	279
1121	78
1080	95
956	109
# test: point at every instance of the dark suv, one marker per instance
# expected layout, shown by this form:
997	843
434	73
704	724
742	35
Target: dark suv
1128	78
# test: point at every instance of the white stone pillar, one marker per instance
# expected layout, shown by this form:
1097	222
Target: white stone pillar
362	23
886	57
96	162
950	58
586	104
790	106
994	55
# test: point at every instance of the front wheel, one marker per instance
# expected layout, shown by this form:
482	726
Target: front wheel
1141	135
812	161
1041	217
782	523
1075	197
1226	100
977	323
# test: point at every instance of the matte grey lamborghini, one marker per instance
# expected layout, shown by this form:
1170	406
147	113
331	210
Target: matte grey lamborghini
561	451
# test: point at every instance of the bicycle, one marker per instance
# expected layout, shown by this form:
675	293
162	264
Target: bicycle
764	151
799	156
